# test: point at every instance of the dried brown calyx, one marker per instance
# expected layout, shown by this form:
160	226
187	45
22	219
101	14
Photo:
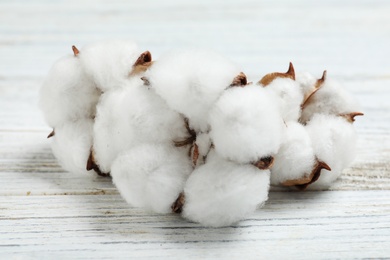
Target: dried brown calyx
264	163
193	152
52	133
304	182
143	62
350	117
239	81
75	51
267	79
91	165
177	206
317	86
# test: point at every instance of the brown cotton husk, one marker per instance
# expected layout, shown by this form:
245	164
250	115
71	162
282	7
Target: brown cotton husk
240	80
177	206
52	133
317	86
351	116
91	165
195	154
267	79
190	139
264	163
305	181
143	62
75	50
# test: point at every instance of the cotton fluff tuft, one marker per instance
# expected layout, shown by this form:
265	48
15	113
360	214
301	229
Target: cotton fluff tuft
330	99
129	116
220	192
67	94
289	96
151	176
246	124
71	145
295	158
109	63
334	141
191	81
306	82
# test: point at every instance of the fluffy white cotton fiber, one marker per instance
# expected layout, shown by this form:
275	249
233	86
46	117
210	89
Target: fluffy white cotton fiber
151	175
295	158
246	124
67	94
306	82
220	192
109	63
330	99
71	145
333	140
289	96
191	81
131	115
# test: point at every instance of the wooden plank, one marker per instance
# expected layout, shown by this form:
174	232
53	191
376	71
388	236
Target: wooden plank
82	216
306	225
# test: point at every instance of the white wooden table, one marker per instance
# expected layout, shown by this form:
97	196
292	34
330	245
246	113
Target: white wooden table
46	213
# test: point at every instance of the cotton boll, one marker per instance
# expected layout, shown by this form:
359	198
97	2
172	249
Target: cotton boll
71	145
67	94
131	115
333	140
289	97
191	81
151	176
246	124
295	158
220	192
331	99
109	63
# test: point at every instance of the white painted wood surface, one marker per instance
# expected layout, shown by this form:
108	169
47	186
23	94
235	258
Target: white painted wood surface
46	213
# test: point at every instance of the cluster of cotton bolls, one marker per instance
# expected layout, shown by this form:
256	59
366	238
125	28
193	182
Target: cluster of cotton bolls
189	134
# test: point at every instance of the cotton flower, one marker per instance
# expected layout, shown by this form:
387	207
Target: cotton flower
190	81
328	97
131	115
111	62
288	93
334	140
151	175
220	192
67	94
246	124
295	158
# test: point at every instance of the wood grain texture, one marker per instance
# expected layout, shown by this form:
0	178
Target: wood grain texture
297	225
47	213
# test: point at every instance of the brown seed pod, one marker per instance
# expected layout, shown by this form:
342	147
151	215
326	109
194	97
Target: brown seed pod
267	79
